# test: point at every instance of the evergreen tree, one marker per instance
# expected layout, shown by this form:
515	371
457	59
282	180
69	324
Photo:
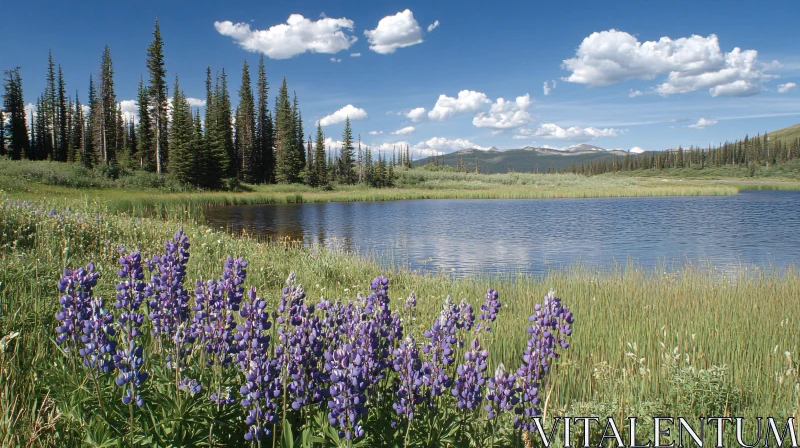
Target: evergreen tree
14	105
62	145
88	155
46	115
2	133
214	159
105	111
299	153
76	140
249	165
285	136
264	132
158	98
346	174
146	154
320	170
181	136
225	123
198	151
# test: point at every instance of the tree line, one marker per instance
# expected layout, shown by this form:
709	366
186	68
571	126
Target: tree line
748	152
251	143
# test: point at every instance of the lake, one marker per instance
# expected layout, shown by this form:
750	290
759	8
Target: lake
752	230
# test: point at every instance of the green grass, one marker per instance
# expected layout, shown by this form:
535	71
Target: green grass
623	317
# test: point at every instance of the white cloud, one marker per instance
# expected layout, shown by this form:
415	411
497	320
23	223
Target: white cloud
375	132
433	26
636	150
332	144
405	131
783	88
416	114
467	101
355	113
442	144
336	60
355	55
634	93
505	115
195	102
546	89
130	110
574	133
298	35
30	109
393	32
692	63
387	148
703	123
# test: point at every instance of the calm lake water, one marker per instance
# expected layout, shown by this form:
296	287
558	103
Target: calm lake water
754	228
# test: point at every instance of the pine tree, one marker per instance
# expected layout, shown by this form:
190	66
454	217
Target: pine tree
88	155
225	123
146	156
285	136
248	155
46	114
320	170
299	153
346	175
158	98
214	158
181	135
2	133
76	140
62	113
105	111
264	131
14	105
198	151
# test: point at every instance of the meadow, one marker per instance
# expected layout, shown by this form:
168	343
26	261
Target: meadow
643	343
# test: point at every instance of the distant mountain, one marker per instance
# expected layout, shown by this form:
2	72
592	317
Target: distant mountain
527	159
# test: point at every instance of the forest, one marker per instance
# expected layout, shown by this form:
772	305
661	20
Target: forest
250	143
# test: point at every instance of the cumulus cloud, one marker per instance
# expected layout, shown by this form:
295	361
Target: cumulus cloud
634	93
332	144
783	88
575	133
442	144
504	115
405	131
416	114
355	55
467	101
336	60
692	63
30	110
636	150
433	26
548	87
195	102
393	32
355	113
388	147
298	35
375	132
703	123
130	110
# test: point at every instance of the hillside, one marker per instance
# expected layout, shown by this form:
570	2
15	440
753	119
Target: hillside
788	134
525	160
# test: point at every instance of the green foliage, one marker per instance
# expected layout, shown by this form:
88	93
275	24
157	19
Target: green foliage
157	95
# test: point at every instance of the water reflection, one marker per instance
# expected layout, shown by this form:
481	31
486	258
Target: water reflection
533	236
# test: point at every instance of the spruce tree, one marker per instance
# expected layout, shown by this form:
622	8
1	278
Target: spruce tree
76	140
181	136
299	153
320	170
105	111
214	160
88	155
198	151
285	136
146	154
158	98
46	114
346	174
248	155
264	131
14	105
62	145
2	133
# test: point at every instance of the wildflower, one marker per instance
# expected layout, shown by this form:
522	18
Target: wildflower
470	380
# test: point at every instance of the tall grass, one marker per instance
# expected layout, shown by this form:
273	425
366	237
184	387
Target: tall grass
631	321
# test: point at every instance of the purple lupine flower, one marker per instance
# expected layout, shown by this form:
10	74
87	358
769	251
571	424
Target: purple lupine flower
465	317
130	295
489	310
411	301
348	386
169	301
262	384
77	286
549	326
98	345
409	380
501	392
439	350
470	380
190	386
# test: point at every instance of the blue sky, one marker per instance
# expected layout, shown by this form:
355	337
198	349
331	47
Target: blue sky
620	74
